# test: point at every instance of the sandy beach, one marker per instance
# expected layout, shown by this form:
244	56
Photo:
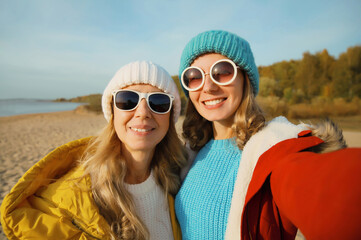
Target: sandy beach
25	139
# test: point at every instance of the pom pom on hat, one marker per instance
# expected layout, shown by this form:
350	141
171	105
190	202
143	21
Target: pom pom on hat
141	72
228	44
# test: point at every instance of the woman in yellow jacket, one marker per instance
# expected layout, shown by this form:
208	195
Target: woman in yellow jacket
118	185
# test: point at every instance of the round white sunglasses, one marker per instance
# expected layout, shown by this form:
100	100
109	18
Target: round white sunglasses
222	72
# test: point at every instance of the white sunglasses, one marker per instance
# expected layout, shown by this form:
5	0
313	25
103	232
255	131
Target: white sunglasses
128	100
222	72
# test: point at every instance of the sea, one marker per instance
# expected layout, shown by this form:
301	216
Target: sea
11	107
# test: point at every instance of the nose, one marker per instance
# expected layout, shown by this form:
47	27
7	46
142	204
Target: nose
209	85
143	110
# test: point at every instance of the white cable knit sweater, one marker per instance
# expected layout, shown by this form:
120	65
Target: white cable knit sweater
152	207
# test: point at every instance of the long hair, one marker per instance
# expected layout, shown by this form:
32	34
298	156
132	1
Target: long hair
248	120
104	163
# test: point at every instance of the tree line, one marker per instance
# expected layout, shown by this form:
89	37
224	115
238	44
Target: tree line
315	75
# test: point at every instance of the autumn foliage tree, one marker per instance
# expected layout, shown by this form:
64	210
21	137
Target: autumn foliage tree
315	75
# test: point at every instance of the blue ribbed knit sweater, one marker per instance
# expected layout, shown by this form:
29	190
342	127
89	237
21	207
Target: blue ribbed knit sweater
202	205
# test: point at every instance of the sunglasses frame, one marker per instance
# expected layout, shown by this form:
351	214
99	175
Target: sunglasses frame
146	96
210	70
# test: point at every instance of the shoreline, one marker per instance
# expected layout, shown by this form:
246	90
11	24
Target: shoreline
76	110
15	107
23	115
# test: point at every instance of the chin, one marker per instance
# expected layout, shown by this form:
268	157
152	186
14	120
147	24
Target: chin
216	116
143	147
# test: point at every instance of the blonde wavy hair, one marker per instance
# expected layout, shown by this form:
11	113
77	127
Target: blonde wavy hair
104	163
249	119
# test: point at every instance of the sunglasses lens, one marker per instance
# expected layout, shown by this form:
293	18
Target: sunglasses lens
223	72
126	100
159	103
192	78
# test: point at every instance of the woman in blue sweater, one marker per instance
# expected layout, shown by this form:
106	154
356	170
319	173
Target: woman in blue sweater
235	186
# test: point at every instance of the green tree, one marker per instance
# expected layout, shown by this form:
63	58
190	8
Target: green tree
307	75
347	74
267	87
326	64
285	74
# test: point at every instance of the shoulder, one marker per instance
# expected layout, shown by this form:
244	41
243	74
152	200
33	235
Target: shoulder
280	128
275	131
54	188
46	171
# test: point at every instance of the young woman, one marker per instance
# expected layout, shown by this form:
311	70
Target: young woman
253	179
118	185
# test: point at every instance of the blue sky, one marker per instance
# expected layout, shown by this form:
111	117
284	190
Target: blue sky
51	49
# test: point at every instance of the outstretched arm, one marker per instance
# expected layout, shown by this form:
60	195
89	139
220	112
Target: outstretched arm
320	193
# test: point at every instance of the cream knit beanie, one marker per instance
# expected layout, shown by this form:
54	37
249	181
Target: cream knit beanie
141	72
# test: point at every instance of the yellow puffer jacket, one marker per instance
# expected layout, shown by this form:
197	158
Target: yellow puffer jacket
51	201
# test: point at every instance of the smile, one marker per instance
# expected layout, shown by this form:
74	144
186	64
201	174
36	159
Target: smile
213	102
142	130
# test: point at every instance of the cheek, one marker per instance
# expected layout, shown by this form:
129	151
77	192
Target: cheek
117	116
164	122
236	89
194	96
236	99
120	120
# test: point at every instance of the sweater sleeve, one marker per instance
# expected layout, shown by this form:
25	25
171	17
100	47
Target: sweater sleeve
320	193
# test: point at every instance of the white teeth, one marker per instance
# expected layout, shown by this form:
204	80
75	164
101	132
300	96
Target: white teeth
213	102
141	130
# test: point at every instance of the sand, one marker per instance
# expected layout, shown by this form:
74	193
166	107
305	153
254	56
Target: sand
353	139
25	139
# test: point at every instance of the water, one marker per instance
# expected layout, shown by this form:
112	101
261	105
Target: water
10	107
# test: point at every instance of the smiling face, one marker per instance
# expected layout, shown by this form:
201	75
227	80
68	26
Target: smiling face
140	129
213	102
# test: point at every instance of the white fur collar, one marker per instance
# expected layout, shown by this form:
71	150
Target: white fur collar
275	131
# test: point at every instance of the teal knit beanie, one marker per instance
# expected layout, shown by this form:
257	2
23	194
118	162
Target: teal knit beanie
228	44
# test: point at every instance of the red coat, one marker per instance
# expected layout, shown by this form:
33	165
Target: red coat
294	188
